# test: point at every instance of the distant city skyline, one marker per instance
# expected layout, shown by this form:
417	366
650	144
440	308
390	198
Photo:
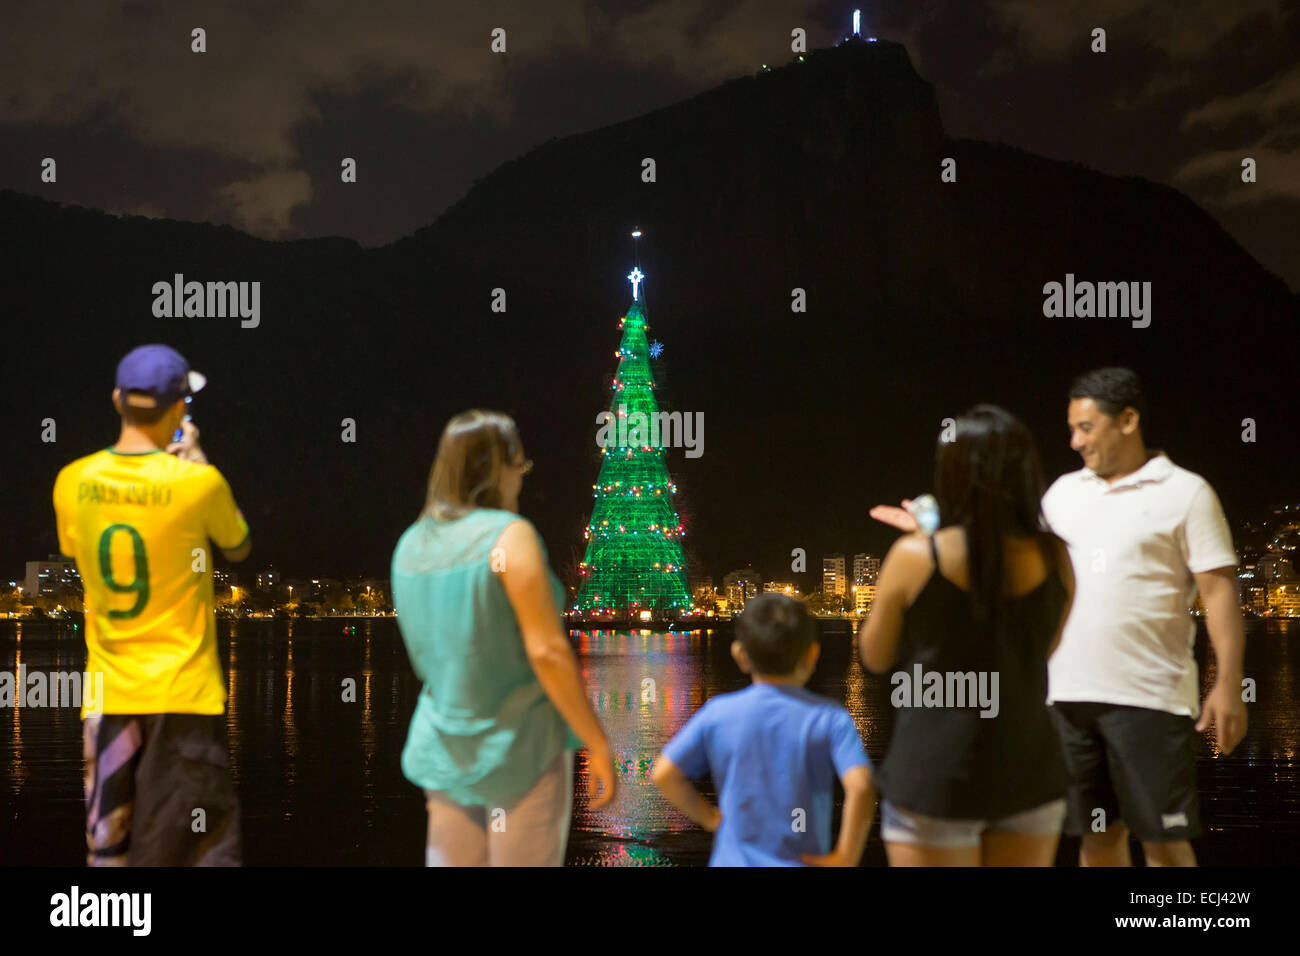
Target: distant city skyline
1268	575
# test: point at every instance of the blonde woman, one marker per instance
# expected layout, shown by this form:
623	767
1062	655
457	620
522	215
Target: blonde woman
503	707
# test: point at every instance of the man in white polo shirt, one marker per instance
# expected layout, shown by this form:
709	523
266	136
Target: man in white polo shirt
1144	536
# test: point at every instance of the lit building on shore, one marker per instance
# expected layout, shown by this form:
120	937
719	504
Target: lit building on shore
739	586
863	595
833	578
44	578
866	568
1284	601
1252	595
702	590
1276	569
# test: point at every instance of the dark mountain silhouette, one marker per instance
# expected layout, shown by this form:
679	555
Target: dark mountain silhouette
923	297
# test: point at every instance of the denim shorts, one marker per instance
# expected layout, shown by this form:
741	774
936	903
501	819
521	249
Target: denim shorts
903	826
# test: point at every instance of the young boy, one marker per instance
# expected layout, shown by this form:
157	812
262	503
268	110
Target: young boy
771	749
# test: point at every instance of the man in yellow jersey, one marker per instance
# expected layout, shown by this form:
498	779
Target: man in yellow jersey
139	518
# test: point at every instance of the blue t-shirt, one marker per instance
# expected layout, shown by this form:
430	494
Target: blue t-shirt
773	752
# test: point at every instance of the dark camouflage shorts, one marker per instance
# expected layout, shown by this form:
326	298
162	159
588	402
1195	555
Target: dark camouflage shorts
159	791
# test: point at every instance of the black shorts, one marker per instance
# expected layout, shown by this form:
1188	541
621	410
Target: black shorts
159	792
1135	765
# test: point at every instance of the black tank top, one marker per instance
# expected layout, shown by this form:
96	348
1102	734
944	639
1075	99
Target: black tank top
948	761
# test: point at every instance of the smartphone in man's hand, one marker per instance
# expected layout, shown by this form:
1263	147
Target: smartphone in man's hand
179	434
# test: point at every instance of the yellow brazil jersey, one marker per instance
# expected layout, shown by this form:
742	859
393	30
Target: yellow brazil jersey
139	526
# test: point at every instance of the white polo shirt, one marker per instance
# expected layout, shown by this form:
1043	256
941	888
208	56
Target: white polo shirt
1134	545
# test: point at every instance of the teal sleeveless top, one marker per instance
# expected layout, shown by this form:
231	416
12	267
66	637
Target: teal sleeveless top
483	730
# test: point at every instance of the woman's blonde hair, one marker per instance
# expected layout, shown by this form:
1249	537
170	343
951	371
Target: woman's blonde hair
475	446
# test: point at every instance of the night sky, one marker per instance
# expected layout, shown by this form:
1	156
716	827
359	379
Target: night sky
250	135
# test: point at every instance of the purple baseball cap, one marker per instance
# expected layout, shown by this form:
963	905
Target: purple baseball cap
155	375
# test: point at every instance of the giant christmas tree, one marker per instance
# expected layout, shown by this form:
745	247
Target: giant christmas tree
634	561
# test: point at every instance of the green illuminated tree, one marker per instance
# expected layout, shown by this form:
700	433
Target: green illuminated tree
634	559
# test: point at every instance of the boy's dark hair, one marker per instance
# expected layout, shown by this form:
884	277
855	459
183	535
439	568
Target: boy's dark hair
1113	389
775	631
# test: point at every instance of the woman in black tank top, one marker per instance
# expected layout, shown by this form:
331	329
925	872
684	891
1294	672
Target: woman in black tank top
964	621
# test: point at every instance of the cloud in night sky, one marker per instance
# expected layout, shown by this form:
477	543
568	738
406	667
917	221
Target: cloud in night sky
1274	104
265	202
1276	101
1185	30
246	97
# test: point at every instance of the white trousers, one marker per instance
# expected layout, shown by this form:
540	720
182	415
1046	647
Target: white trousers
533	831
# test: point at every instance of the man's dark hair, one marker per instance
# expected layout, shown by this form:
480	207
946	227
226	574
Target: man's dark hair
775	631
136	415
1113	389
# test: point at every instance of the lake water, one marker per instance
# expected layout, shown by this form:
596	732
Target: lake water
320	784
